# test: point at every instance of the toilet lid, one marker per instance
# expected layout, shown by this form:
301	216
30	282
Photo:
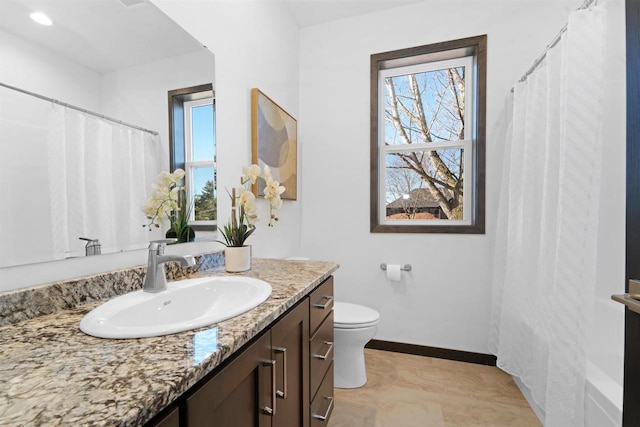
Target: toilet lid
347	315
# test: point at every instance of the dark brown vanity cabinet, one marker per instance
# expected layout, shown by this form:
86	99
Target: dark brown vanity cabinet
290	351
266	385
238	395
283	378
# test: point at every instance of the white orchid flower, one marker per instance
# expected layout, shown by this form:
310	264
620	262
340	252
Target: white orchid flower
248	202
251	173
267	172
240	228
165	199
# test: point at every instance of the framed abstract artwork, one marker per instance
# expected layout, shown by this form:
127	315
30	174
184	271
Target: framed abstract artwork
274	137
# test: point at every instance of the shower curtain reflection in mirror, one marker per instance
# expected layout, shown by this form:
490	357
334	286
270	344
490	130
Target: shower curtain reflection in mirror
99	173
65	175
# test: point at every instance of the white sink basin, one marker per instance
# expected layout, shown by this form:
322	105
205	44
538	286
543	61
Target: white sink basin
186	304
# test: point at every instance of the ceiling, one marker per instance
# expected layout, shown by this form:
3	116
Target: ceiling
105	35
312	12
102	35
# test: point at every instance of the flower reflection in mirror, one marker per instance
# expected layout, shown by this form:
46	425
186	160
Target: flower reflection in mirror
169	202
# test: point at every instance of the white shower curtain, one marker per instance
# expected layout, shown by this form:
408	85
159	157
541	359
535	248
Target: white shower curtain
99	175
546	238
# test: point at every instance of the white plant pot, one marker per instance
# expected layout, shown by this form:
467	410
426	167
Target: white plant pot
237	259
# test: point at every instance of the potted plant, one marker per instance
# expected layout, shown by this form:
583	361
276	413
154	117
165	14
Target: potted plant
169	202
244	215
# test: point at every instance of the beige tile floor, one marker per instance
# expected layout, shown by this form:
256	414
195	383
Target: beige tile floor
406	391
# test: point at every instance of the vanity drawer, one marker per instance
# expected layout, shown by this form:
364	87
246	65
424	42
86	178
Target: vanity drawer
320	353
320	304
322	405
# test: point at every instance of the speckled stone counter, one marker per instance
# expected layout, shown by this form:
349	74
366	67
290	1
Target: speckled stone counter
51	373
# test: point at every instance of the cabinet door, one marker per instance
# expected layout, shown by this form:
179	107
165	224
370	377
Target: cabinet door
290	350
240	395
170	417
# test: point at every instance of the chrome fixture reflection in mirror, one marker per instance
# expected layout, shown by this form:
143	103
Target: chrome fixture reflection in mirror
109	57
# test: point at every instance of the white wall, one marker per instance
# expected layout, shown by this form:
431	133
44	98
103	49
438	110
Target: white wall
30	67
445	300
140	93
256	45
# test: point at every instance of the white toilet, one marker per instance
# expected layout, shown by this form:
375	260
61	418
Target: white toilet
353	326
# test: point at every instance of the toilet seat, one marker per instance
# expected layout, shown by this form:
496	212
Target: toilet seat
353	316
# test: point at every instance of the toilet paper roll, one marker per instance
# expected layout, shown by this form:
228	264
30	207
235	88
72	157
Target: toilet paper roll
393	272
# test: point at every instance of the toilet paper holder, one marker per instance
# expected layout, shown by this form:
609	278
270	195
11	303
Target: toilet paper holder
406	267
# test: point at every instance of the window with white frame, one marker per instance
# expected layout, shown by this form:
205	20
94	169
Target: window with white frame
200	171
193	148
427	142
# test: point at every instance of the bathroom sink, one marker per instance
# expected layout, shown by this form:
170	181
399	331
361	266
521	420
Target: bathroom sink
186	304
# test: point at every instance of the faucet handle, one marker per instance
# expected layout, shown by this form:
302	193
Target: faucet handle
155	245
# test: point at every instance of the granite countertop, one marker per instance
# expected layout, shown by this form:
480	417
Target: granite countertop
51	373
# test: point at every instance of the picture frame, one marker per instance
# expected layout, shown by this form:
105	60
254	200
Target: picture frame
274	143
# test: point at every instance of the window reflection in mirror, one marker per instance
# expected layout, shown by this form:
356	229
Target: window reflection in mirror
192	148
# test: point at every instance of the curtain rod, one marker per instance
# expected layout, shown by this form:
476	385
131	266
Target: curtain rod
82	110
554	42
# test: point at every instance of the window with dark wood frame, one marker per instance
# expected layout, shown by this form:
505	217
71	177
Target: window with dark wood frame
427	154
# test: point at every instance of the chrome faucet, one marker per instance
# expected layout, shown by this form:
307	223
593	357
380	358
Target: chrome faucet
92	247
156	279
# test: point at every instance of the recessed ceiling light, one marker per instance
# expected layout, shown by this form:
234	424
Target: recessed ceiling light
41	18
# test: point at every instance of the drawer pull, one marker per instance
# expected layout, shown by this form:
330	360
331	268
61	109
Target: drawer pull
326	354
324	306
267	410
282	394
326	414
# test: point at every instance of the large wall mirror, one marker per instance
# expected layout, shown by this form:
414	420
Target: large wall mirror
118	59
